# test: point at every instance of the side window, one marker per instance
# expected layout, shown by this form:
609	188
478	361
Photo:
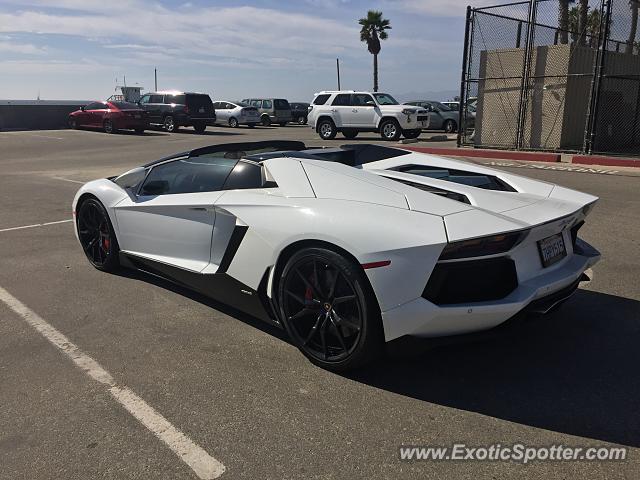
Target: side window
217	105
342	99
361	99
267	104
256	103
156	99
188	175
92	106
244	175
144	99
229	106
321	99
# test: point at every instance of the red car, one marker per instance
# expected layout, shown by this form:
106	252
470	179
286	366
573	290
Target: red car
110	116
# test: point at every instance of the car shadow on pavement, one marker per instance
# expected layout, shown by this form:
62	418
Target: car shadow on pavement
184	131
575	371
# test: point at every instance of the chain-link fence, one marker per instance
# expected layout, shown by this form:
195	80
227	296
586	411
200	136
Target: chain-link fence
560	75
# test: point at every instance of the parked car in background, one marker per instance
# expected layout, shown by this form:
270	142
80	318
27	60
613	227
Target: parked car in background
173	110
441	117
272	110
453	105
235	114
351	112
110	116
299	112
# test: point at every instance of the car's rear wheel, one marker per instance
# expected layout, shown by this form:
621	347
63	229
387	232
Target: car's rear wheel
73	124
302	120
450	126
390	130
327	309
169	124
265	120
233	122
97	236
139	131
350	134
411	133
326	129
200	127
108	127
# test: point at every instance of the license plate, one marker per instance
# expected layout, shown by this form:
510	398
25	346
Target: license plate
552	249
201	110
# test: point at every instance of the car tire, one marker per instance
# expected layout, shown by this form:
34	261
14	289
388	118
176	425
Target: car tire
350	134
73	124
97	236
251	125
108	127
200	127
169	124
450	126
326	129
282	124
411	133
233	122
390	130
265	120
139	131
302	120
329	311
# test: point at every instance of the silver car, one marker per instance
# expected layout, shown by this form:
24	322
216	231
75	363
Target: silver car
442	117
235	114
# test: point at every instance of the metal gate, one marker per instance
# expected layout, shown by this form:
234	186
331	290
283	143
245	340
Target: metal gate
552	75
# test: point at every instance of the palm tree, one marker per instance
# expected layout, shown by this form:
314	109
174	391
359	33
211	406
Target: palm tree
372	31
582	21
563	20
634	4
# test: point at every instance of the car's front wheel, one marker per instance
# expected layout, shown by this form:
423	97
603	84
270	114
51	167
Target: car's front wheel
200	127
326	129
97	236
412	133
108	126
390	130
169	124
72	123
265	120
450	126
328	310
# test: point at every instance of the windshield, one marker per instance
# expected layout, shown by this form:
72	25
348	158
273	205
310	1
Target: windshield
385	99
440	106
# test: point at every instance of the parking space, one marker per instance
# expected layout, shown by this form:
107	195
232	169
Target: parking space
240	392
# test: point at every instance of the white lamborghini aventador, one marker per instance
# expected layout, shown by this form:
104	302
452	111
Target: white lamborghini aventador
347	247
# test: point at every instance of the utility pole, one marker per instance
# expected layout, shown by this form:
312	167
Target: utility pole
338	70
155	77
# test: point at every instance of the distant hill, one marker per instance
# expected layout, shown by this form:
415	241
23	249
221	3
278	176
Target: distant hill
440	96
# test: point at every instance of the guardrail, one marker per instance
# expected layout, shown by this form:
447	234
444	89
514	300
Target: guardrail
36	115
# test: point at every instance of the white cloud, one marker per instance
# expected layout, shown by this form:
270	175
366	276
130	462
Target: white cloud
444	8
21	48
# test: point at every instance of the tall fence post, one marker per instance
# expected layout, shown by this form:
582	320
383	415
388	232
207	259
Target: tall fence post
596	83
462	115
526	67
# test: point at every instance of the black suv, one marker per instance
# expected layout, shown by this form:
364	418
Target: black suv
299	111
173	110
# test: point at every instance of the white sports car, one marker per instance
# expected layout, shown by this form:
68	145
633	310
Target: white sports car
347	247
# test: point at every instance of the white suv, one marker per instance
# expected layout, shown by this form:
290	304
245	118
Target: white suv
351	112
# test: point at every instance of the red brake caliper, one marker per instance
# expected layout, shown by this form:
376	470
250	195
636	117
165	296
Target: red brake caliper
308	295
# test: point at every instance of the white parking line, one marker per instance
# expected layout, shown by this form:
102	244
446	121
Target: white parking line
203	464
68	180
35	225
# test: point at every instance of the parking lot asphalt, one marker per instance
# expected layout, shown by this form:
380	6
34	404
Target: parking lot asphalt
241	392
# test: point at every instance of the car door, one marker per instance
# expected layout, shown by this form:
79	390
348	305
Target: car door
155	108
83	119
340	110
363	111
171	217
144	104
435	117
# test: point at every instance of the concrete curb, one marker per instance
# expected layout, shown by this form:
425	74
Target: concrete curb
527	156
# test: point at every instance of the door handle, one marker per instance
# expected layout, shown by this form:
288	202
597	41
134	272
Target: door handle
199	209
355	110
334	110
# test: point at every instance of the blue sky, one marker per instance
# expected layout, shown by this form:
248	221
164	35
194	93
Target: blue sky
75	49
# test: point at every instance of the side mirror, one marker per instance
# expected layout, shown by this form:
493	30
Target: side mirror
131	178
157	187
370	103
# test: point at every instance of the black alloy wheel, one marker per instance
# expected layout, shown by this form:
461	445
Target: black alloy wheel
169	124
327	310
108	126
97	236
265	121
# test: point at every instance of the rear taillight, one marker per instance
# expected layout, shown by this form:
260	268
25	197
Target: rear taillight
483	246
